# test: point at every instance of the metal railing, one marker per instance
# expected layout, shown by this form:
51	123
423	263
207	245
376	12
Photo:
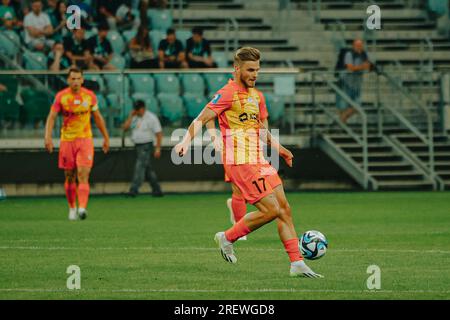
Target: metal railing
113	113
396	108
231	23
360	138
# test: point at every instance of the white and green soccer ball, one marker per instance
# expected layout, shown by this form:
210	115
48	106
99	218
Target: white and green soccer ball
313	245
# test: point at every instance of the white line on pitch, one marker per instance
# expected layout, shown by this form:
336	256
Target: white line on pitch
262	290
212	249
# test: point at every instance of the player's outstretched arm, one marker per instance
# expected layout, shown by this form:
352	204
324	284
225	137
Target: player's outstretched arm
282	151
205	115
100	122
49	124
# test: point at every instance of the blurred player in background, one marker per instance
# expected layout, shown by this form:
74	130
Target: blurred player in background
76	152
237	106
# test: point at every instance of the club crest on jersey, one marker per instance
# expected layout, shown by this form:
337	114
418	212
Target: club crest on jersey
216	98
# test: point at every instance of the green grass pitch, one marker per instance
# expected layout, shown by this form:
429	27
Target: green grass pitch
163	248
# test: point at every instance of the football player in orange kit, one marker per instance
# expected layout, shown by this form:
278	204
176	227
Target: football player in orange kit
76	152
237	107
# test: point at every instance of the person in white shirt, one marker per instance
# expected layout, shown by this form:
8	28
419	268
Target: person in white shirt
38	28
146	130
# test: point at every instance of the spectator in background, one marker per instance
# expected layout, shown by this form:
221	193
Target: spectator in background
101	48
106	10
77	50
126	20
38	28
57	60
350	81
141	51
21	8
146	130
170	52
50	6
157	4
58	18
3	88
7	14
198	51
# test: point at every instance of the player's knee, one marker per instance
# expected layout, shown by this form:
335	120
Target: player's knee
273	211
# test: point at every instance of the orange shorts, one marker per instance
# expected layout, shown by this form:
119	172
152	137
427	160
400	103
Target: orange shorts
76	153
254	181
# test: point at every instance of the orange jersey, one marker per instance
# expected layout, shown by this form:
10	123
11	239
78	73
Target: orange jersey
239	111
76	110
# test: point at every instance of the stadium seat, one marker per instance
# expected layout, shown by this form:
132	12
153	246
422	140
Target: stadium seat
155	37
216	81
35	60
117	84
167	83
101	101
193	83
120	107
275	107
117	43
10	45
118	61
183	36
171	106
159	19
142	83
98	79
128	35
36	104
220	58
194	104
9	108
151	103
91	32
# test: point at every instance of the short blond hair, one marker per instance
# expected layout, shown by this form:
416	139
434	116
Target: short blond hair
246	54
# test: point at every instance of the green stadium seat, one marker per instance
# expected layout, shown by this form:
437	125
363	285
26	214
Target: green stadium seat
171	106
117	83
36	104
215	81
117	43
35	60
194	104
151	103
9	108
155	38
142	83
160	19
128	35
167	83
275	107
121	108
220	58
101	102
118	61
183	36
96	78
193	83
10	45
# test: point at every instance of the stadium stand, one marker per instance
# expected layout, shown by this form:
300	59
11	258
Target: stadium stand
410	51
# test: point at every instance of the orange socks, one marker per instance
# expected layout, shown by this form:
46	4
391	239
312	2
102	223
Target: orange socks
240	229
292	249
71	193
239	207
83	195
